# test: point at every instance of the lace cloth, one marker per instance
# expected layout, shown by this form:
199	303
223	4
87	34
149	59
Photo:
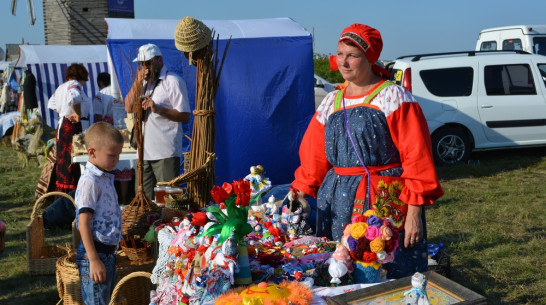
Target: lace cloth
165	236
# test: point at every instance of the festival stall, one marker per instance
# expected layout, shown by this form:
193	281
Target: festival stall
246	246
49	63
265	96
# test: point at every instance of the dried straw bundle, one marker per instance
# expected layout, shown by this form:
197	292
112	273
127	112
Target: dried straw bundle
196	41
209	69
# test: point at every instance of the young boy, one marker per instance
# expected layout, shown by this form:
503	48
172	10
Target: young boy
98	214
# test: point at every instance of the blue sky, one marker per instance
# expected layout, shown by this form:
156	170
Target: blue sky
407	27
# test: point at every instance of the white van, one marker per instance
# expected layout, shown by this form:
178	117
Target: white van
477	100
528	38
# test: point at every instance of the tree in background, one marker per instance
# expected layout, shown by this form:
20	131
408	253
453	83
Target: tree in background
322	69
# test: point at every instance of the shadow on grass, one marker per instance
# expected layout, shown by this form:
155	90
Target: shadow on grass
13	204
464	274
475	275
25	289
487	163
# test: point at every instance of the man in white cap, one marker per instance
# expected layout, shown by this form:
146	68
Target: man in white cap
165	101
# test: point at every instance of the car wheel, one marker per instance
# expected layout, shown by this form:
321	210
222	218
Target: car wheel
450	146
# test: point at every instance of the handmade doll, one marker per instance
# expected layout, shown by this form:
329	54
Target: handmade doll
337	270
258	182
218	277
417	295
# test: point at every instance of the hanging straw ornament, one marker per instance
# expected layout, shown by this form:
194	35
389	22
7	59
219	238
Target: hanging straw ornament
196	40
191	35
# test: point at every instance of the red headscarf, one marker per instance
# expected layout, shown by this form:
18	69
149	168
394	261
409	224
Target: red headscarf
369	41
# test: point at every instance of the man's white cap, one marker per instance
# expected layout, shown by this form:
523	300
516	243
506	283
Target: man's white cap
147	52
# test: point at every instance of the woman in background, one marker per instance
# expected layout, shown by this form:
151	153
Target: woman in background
67	101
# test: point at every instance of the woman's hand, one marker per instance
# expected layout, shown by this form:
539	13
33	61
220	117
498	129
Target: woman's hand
74	118
413	227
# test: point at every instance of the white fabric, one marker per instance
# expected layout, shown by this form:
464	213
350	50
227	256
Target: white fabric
107	105
387	100
34	54
102	103
7	120
120	28
163	137
5	99
321	294
67	95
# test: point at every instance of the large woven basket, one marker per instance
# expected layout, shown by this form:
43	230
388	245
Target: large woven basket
42	258
68	280
133	289
68	276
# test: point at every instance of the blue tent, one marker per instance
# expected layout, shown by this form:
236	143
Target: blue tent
265	98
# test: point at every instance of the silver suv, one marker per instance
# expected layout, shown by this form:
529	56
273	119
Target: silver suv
477	100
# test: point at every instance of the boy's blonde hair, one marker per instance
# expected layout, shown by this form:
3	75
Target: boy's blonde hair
101	134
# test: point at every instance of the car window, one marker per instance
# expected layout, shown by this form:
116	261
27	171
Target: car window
509	80
449	81
488	46
540	45
542	69
512	44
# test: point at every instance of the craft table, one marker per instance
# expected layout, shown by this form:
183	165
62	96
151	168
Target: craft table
131	157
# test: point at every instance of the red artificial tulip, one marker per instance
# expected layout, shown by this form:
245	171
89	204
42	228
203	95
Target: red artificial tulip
199	219
228	188
218	194
242	189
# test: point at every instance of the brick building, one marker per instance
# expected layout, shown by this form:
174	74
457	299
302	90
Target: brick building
81	22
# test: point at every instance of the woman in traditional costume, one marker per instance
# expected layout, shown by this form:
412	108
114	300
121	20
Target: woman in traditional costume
67	101
368	146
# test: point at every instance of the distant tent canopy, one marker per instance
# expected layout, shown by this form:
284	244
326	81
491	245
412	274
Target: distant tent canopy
49	63
265	99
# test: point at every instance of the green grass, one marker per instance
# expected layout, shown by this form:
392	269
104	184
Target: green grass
491	220
17	187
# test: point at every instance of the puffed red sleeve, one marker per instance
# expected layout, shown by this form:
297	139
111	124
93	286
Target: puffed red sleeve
410	134
314	165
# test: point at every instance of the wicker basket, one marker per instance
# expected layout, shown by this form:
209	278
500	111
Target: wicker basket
181	202
133	289
42	258
125	266
134	217
68	277
68	280
136	249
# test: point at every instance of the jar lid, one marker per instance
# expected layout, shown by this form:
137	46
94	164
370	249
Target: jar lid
174	190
